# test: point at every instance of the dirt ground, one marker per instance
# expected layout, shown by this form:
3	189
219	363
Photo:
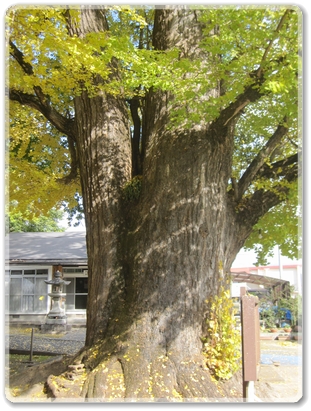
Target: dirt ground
278	381
25	382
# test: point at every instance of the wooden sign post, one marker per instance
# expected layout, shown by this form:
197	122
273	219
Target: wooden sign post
250	343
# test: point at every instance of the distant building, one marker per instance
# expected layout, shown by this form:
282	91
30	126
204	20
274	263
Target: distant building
268	277
32	258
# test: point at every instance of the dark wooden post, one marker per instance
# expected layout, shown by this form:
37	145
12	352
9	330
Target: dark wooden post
31	347
250	343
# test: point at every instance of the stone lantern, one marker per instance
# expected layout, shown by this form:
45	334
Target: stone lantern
57	315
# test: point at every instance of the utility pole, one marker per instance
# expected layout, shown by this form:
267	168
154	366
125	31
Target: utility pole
280	264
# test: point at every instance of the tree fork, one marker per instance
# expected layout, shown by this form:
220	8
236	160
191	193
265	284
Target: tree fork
162	263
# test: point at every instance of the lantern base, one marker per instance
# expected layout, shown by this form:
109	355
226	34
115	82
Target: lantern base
57	320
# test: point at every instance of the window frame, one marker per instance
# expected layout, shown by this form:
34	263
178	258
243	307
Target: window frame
71	274
24	294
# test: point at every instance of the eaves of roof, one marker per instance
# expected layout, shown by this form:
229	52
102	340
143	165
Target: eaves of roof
267	282
69	262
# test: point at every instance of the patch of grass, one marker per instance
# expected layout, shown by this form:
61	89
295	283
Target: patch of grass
25	357
27	331
15	363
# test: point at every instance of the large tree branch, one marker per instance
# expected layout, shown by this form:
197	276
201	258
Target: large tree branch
253	91
73	174
41	103
252	170
19	57
66	126
279	168
250	94
252	208
259	204
268	48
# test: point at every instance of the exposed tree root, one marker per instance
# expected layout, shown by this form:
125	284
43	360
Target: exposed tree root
137	375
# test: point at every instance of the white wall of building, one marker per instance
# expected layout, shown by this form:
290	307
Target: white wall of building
278	267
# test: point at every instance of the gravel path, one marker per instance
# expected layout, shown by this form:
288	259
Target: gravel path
68	343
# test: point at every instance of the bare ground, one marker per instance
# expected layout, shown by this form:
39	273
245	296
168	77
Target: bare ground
26	382
277	382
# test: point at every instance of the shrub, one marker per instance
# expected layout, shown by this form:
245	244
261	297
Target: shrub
132	189
222	345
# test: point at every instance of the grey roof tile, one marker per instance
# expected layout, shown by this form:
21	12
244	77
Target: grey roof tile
46	247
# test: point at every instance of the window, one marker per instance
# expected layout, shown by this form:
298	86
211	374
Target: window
76	293
26	291
73	270
77	290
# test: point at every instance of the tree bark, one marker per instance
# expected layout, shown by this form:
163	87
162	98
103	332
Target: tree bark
104	152
155	262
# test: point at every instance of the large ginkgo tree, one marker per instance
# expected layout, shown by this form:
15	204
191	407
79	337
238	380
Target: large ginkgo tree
180	129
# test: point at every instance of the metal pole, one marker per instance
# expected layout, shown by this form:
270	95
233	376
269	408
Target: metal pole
31	346
280	264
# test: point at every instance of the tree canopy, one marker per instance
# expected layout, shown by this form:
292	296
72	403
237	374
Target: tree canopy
252	55
17	222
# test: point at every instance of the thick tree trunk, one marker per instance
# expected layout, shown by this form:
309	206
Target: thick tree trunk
177	258
153	263
104	149
173	254
104	153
